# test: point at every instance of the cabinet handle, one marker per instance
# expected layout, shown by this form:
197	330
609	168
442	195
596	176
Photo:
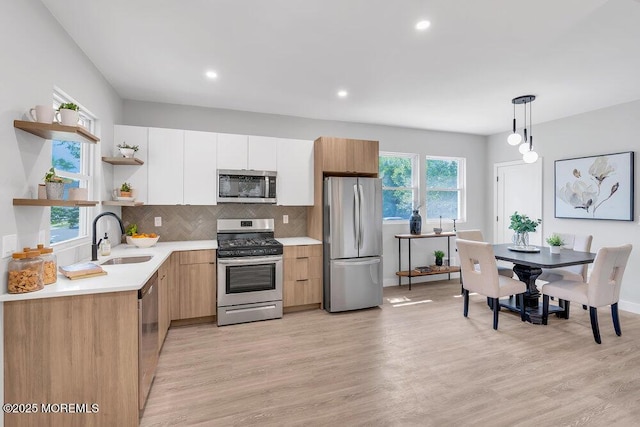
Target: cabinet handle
212	262
302	280
302	257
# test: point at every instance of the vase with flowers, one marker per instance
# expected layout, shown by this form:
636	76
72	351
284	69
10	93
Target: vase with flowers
522	225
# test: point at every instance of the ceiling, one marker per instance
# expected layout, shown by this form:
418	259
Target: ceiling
291	57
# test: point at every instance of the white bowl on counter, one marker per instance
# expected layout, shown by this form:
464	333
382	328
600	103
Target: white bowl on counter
142	242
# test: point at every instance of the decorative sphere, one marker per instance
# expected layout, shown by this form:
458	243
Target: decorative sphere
514	139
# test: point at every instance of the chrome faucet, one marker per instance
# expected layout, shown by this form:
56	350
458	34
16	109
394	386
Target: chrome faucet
94	244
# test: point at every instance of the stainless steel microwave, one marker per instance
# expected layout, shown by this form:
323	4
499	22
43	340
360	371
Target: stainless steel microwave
246	186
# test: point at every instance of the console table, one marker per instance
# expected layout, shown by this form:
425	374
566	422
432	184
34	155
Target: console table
414	273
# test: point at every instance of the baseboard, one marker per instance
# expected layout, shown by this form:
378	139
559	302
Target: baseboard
631	307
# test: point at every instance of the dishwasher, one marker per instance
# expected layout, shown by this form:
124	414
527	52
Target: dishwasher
147	337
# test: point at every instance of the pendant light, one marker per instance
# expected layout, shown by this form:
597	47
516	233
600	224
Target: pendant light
514	138
526	148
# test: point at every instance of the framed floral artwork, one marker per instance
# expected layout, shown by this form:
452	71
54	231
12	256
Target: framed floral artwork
596	187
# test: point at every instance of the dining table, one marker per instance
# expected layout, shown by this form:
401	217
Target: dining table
528	264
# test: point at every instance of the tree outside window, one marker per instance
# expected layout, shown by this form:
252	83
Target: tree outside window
445	188
399	184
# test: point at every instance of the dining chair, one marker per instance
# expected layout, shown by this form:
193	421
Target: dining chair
578	243
602	289
480	275
476	235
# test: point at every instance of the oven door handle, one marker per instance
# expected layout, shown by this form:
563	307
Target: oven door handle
248	260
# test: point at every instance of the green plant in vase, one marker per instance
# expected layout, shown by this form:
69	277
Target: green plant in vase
522	225
439	256
125	190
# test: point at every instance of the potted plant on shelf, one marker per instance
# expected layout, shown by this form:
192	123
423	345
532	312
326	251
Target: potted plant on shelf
555	243
125	190
439	256
68	114
127	150
54	185
522	225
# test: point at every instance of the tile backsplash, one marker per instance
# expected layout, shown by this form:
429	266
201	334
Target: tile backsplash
199	222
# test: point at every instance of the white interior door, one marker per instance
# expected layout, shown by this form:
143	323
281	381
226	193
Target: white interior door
518	188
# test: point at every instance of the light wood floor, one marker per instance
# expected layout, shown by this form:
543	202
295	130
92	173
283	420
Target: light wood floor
415	364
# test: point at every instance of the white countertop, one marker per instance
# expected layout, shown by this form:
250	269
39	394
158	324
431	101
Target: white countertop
119	278
128	277
294	241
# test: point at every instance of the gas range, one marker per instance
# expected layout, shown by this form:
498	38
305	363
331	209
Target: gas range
247	237
249	271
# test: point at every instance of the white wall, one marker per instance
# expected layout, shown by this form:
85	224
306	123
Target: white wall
610	130
36	55
423	142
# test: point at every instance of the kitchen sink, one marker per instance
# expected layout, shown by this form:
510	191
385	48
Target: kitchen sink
128	260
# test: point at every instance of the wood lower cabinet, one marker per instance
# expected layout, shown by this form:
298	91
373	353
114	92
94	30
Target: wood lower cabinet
73	350
302	267
194	292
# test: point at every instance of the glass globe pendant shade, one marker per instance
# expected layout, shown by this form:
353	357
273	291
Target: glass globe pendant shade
514	138
523	148
530	157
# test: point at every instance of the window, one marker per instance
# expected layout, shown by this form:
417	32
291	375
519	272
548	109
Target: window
445	188
71	160
399	185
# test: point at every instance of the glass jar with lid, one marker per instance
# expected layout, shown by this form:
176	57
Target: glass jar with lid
26	270
50	272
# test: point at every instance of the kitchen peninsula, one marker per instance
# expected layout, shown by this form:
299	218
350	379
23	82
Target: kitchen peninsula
76	341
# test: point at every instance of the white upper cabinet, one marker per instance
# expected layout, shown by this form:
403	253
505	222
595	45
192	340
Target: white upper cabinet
200	168
295	172
240	152
135	175
262	153
232	151
166	166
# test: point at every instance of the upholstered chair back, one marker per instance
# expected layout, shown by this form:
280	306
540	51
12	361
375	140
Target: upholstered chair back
606	276
479	269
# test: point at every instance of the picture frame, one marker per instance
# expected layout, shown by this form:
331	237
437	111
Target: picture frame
595	187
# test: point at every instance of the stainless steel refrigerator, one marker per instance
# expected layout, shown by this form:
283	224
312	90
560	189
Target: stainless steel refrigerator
352	241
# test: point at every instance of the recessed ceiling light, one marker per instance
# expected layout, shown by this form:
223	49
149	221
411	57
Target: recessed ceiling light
343	93
211	74
423	25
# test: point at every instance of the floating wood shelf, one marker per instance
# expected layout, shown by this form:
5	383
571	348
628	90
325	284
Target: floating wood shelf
123	161
121	203
415	273
48	202
57	131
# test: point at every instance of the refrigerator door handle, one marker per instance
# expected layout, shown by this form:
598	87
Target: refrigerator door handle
356	217
360	230
365	262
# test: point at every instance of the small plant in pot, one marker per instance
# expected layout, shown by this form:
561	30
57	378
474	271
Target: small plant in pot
125	190
555	243
68	114
439	256
54	185
127	150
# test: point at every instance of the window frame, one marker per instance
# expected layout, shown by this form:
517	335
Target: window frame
461	188
85	176
415	180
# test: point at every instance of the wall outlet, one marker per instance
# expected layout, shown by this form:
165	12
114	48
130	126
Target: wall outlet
285	219
9	245
157	221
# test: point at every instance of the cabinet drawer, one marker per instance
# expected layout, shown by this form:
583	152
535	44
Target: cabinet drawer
302	292
302	251
198	257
